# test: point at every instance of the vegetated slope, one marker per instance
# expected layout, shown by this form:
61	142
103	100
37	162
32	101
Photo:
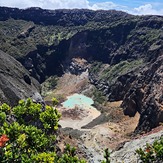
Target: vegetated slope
15	83
124	52
45	35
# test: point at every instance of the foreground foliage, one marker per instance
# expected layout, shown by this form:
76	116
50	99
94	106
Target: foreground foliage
106	156
28	134
152	153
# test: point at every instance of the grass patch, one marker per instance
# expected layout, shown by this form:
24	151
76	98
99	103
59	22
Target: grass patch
98	96
49	85
112	72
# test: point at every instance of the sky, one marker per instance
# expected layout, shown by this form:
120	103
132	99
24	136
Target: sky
136	7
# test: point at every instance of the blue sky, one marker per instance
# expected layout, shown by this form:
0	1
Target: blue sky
137	7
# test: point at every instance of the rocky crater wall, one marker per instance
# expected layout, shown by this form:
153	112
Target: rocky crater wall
16	82
123	53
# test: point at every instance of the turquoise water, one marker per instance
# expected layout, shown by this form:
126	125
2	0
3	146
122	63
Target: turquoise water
78	100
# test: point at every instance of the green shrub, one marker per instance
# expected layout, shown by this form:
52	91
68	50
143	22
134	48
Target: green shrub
50	118
5	108
152	153
23	141
27	108
106	156
98	96
2	117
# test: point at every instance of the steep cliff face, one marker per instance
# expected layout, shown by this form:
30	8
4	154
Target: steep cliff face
146	95
124	52
15	83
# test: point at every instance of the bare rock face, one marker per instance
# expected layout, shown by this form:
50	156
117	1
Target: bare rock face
146	96
15	83
127	152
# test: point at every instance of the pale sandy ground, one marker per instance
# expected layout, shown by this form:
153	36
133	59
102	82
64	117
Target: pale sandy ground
90	114
100	137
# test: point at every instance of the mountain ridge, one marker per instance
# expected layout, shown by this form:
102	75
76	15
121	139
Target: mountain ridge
53	17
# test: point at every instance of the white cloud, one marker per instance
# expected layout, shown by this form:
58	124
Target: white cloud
69	4
104	6
17	3
47	4
58	4
147	9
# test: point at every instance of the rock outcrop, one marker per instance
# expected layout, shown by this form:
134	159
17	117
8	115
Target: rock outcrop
16	82
146	95
127	153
